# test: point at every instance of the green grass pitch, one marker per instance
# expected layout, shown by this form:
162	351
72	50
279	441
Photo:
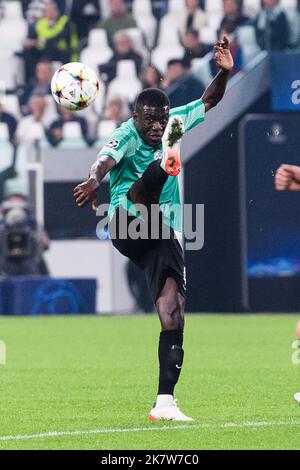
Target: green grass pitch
67	374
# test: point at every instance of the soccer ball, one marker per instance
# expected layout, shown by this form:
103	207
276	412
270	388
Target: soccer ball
74	86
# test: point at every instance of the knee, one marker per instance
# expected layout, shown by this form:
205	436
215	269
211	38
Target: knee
171	314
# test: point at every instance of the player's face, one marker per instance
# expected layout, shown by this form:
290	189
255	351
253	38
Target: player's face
151	123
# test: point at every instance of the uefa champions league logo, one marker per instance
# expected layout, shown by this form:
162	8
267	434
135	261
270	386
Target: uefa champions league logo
158	155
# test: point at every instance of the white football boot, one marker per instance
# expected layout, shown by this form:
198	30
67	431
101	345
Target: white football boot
297	397
171	146
168	412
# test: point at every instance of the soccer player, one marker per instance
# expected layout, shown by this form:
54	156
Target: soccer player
143	158
287	178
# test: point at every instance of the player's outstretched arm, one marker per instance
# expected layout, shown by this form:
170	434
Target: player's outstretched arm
287	178
87	191
224	61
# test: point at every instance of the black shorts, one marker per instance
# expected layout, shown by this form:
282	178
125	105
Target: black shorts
160	259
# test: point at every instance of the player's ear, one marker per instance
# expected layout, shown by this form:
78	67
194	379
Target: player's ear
135	116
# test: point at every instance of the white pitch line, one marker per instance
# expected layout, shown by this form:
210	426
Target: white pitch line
262	424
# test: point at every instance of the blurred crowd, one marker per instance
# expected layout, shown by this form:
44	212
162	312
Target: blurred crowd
131	44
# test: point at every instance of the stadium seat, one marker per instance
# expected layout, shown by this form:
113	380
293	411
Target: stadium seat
214	21
50	114
11	106
141	8
98	39
4	135
99	102
20	183
288	3
6	152
126	69
126	89
36	132
12	34
176	7
201	69
104	8
246	37
169	34
146	22
9	70
162	54
214	6
71	130
95	56
252	7
138	42
92	120
208	35
13	9
105	128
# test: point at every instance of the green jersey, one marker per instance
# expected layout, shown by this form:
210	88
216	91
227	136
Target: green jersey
133	156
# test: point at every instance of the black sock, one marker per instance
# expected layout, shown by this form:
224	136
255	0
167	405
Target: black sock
154	178
170	354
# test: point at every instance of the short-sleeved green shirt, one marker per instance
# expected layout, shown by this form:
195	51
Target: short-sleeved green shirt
133	156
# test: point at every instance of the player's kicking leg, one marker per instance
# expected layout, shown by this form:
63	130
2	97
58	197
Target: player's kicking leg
171	146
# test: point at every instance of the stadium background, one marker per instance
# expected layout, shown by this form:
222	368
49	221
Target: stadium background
250	259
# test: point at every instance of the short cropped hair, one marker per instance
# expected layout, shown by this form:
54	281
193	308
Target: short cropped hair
152	97
175	62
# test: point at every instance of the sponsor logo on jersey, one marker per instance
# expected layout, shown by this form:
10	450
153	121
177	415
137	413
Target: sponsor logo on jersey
113	144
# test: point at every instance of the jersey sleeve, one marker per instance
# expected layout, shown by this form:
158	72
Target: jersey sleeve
192	114
117	145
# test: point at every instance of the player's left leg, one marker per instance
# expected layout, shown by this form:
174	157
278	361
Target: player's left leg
170	308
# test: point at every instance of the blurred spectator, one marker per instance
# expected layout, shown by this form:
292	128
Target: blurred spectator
55	131
33	126
194	48
235	49
181	86
11	122
159	8
22	241
34	9
123	50
85	14
2	9
53	37
119	19
116	110
151	77
39	86
271	25
193	17
233	14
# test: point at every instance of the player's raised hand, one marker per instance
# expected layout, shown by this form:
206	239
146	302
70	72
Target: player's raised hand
87	192
223	57
287	178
